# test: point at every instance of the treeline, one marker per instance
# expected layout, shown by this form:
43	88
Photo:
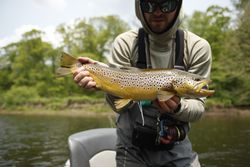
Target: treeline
228	32
27	67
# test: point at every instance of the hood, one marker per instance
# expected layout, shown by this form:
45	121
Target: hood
165	35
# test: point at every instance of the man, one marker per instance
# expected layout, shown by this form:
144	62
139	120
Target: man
155	133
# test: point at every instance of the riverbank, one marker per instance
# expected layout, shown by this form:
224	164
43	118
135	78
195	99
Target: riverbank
74	109
66	112
102	109
227	111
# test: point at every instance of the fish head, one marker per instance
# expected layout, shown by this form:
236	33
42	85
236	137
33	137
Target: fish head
192	87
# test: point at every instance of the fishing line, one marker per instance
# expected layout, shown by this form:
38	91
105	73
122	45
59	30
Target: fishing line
141	111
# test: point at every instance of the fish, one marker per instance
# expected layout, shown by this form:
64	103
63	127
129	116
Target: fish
133	84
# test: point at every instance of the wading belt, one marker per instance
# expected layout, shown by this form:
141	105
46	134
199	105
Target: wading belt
179	50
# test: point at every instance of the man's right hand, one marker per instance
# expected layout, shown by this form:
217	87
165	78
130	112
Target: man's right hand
81	76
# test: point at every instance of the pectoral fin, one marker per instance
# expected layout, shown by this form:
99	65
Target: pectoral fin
120	103
164	95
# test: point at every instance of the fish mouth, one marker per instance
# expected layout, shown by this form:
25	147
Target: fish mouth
202	87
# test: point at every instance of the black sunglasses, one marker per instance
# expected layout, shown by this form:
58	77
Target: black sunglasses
167	6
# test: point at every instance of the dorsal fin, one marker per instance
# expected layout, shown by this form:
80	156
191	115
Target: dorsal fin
130	69
135	69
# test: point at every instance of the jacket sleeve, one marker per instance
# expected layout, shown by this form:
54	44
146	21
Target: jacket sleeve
198	60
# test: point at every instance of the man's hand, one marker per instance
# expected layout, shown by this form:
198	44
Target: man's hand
167	139
172	136
168	106
82	77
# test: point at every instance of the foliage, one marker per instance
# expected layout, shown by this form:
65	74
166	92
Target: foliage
239	55
230	46
19	96
27	67
93	36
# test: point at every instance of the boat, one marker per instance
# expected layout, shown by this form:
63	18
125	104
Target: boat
92	148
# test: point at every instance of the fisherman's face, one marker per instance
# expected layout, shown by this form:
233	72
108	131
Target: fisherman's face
159	14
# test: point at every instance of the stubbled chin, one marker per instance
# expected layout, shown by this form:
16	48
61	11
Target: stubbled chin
157	28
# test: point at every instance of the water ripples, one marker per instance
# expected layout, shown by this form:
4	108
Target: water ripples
38	141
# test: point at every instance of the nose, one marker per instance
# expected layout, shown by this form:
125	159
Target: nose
158	11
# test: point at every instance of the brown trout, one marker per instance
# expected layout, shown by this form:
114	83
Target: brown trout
136	84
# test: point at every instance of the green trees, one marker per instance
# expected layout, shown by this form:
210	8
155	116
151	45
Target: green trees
230	43
92	37
29	72
238	49
27	67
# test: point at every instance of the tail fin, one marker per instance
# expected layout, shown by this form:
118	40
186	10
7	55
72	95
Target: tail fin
67	61
68	64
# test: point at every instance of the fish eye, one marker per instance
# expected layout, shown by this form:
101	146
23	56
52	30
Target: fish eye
205	87
197	79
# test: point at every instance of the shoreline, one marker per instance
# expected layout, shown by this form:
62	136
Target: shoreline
83	113
227	111
68	113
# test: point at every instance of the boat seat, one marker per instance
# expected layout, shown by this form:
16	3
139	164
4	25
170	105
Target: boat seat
93	148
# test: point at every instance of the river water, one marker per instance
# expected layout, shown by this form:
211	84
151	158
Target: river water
41	141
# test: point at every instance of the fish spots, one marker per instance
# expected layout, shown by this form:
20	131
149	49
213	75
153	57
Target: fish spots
143	84
143	80
103	72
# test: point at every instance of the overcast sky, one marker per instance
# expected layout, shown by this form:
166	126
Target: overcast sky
19	16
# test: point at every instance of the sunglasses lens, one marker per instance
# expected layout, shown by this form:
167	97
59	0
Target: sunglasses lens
148	7
166	6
